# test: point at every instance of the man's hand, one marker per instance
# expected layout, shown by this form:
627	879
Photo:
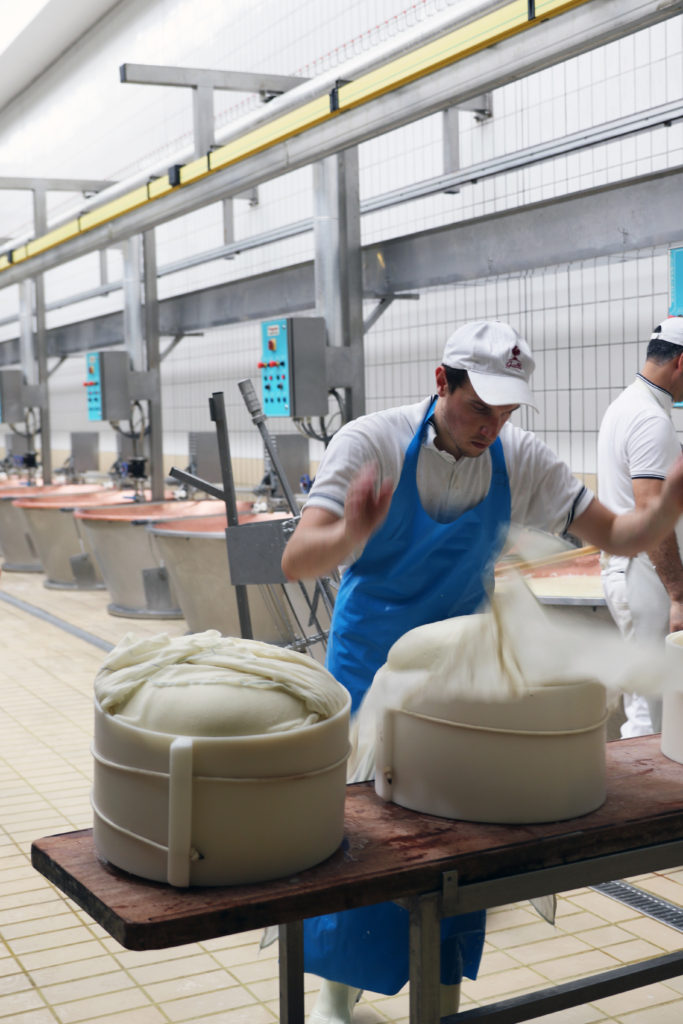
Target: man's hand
365	510
322	541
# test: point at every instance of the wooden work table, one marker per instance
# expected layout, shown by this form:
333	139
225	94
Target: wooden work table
433	865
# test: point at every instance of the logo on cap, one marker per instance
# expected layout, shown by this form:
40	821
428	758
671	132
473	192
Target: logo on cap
514	362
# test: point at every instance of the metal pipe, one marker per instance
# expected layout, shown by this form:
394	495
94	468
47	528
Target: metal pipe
589	26
258	418
467	10
217	409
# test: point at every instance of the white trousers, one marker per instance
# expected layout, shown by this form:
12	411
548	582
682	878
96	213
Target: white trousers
640	607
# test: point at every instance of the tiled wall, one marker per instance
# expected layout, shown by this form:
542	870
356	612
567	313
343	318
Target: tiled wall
586	322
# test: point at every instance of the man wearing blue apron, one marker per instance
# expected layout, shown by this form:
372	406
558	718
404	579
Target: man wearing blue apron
419	500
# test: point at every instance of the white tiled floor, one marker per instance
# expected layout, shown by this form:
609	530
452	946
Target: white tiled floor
56	965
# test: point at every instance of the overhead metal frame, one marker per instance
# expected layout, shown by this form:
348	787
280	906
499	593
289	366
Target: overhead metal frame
32	305
546	43
663	115
579	29
599	223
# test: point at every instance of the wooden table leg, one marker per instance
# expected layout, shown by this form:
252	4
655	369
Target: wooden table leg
425	958
291	941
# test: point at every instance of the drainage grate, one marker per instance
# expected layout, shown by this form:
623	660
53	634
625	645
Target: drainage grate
651	906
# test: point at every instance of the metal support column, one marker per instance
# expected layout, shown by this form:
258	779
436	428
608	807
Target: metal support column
41	360
425	958
133	333
291	938
156	448
40	346
338	272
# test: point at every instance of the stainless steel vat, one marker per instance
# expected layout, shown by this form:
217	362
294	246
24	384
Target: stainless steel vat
18	548
66	556
195	554
133	572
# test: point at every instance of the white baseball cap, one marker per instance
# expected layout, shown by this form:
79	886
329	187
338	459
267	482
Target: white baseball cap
670	330
498	361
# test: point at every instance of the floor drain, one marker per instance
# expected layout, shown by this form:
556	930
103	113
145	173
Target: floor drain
651	906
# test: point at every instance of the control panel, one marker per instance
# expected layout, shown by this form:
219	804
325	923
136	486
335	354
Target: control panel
274	367
676	270
11	396
293	367
106	385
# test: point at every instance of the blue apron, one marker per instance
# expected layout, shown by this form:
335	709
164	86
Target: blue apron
412	571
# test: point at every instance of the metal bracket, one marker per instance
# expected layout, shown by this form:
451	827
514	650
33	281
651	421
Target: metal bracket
203	82
383	305
142	384
459	898
177	338
255	556
34	396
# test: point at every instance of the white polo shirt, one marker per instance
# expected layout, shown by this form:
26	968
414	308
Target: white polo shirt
637	439
544	493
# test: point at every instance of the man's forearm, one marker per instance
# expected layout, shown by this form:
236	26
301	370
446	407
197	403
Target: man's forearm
315	549
666	559
628	533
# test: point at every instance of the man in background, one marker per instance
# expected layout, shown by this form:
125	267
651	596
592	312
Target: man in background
637	446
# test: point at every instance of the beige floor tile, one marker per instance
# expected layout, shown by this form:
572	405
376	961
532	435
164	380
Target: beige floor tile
211	1002
496	960
44	1016
150	974
631	952
61	955
656	932
670	1013
505	983
504	918
638	999
604	907
90	1009
37	927
606	936
265	990
10	983
128	1015
257	1014
134	958
114	981
577	966
666	888
575	1015
258	970
549	949
76	970
580	922
23	1001
676	984
189	985
522	935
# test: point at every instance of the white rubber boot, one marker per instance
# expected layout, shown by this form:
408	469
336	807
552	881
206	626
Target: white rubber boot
334	1004
450	999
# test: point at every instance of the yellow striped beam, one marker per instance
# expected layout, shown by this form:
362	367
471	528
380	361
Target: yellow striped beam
512	18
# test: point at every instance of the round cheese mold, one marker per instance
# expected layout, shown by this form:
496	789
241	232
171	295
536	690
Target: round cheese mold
217	760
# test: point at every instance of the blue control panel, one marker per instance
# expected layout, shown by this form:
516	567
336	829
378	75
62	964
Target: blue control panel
93	384
676	268
275	368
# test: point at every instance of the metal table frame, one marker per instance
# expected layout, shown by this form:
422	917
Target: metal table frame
432	866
